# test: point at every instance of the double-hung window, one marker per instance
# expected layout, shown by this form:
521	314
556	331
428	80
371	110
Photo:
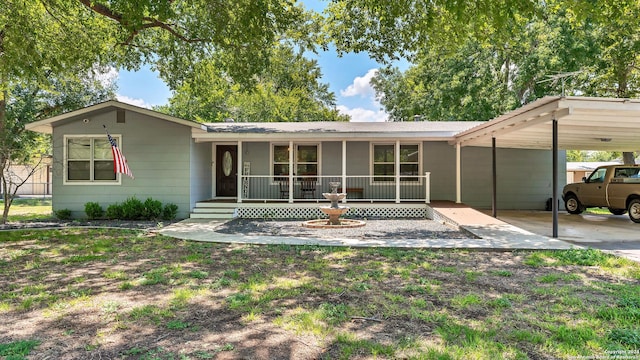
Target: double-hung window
280	160
88	159
384	162
306	160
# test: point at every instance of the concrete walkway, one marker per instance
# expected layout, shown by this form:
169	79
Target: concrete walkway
486	233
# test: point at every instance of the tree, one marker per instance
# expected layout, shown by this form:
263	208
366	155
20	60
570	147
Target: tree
30	102
481	78
599	40
388	29
288	89
58	39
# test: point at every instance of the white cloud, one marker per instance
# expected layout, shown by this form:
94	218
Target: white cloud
136	102
107	77
363	115
361	86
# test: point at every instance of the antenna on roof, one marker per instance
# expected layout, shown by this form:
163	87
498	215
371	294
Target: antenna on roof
560	76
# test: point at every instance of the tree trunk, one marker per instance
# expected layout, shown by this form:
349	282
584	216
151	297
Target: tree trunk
629	158
3	154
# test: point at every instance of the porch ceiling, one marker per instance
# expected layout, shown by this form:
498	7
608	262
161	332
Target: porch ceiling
583	124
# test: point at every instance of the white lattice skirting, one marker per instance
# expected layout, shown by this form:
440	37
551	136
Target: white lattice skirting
315	213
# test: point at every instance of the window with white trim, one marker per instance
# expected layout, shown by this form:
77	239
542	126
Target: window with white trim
280	161
384	162
306	160
88	159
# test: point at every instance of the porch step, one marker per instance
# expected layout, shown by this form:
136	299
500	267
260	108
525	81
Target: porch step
213	211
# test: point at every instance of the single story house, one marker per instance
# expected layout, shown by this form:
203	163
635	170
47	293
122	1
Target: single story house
282	169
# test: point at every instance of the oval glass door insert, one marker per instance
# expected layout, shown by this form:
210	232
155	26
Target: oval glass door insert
227	163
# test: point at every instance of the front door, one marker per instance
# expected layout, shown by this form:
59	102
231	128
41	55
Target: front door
226	170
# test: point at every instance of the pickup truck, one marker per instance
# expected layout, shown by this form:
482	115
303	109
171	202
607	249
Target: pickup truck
616	187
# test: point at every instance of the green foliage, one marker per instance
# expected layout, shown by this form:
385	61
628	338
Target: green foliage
627	337
588	257
132	209
18	349
177	325
62	214
170	211
114	211
288	89
93	210
152	209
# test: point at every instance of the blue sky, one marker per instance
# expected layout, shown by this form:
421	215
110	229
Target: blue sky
348	77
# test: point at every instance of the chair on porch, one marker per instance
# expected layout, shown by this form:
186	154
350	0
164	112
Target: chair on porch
308	188
284	188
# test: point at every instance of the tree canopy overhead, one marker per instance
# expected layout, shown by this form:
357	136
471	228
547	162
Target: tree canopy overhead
288	89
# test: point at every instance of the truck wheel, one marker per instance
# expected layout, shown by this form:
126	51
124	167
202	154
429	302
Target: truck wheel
573	206
634	210
617	211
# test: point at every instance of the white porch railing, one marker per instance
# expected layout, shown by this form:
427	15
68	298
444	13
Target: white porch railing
367	188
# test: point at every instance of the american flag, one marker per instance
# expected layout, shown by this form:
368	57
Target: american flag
119	162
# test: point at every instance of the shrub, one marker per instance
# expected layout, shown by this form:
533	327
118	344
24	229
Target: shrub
93	210
152	209
132	209
170	211
63	214
114	211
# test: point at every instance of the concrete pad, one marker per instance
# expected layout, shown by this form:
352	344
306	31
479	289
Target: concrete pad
613	233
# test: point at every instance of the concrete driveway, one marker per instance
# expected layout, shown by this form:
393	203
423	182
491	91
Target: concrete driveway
615	233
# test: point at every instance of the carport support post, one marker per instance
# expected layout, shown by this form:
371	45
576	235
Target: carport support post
458	175
554	198
494	172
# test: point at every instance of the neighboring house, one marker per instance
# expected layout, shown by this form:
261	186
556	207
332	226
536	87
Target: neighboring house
38	183
281	169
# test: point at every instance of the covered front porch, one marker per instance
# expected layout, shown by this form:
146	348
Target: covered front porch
301	171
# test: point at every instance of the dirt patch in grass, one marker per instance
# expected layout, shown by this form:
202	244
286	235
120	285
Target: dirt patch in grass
120	294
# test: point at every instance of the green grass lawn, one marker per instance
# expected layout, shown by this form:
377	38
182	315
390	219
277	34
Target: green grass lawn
91	293
29	209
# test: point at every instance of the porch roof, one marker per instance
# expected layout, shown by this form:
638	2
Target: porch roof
426	130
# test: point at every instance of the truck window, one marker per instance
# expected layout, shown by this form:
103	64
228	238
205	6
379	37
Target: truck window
621	173
597	176
633	172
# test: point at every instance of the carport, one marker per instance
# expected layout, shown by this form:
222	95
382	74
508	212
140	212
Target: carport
556	123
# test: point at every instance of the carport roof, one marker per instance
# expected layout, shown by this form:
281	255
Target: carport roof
584	123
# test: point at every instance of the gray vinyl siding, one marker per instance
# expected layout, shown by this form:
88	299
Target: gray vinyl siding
439	158
524	178
201	172
158	153
331	158
258	154
358	158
